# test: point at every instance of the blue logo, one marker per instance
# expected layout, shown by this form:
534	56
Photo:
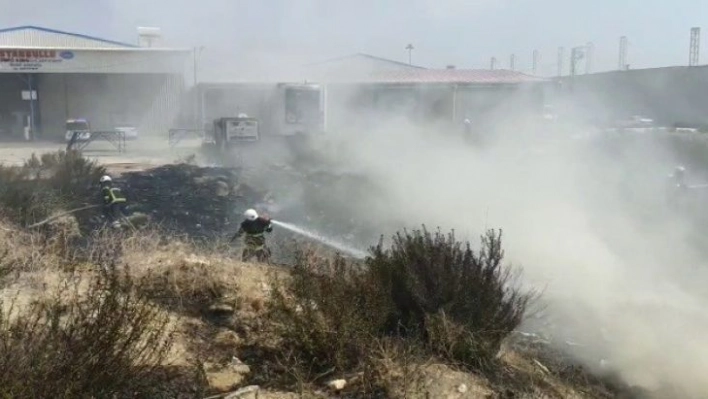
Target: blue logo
67	55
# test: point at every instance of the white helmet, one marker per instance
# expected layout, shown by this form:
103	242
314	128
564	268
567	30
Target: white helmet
251	214
105	179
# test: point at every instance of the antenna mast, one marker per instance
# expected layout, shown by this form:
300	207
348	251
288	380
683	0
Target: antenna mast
534	62
695	47
561	56
622	64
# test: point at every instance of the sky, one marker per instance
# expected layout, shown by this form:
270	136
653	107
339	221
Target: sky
465	33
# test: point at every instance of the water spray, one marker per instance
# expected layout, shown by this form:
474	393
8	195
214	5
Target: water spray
359	254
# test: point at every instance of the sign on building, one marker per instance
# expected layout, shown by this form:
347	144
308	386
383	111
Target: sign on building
28	60
26	95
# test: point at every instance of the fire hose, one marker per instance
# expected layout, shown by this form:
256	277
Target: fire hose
57	216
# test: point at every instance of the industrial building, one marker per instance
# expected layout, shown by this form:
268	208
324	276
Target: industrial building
362	84
48	77
670	96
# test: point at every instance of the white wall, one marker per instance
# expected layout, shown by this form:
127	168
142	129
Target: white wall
150	102
93	61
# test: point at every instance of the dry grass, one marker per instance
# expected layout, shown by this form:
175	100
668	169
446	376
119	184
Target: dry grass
132	314
176	282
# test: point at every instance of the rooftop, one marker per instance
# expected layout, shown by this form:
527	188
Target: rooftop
29	36
454	76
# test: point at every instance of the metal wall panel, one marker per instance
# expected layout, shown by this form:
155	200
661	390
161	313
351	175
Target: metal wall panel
38	37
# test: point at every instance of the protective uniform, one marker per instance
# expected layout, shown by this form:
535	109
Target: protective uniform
678	190
113	201
254	227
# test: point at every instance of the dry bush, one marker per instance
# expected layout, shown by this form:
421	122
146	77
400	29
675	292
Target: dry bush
186	285
428	290
395	369
327	312
169	273
93	337
23	251
42	185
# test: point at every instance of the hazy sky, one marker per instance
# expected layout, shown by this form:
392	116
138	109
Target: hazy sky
464	33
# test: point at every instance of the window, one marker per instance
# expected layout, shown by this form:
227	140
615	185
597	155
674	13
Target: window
302	105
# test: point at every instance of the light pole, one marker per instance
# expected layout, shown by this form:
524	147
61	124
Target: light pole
197	51
410	48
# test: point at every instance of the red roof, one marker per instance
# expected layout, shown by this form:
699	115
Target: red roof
460	76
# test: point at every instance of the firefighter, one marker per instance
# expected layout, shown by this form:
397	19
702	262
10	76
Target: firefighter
254	227
679	177
678	189
113	201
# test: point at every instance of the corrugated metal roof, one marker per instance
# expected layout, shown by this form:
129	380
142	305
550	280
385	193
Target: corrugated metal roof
452	76
34	36
368	57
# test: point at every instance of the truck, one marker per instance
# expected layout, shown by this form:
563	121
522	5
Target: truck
300	109
229	132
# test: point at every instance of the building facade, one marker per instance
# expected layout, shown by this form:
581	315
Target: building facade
49	76
363	88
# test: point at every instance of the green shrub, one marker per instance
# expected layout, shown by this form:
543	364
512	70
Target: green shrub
426	289
91	338
449	295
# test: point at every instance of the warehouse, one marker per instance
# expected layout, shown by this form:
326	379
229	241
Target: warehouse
362	84
48	77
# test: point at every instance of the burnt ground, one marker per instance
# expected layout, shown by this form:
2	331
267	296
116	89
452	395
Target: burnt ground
206	203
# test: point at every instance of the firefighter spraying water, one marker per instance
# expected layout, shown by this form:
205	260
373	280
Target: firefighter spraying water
254	228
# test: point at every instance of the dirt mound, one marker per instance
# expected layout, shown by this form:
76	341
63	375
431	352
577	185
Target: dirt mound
187	199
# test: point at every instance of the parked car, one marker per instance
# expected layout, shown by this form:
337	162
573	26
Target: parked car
80	126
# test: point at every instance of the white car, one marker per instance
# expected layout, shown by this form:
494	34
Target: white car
131	132
83	135
80	126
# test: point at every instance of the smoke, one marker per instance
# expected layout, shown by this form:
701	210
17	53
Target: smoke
583	214
583	217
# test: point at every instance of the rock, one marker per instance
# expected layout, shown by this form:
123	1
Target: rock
462	388
242	369
224	380
222	189
337	385
227	338
248	392
238	366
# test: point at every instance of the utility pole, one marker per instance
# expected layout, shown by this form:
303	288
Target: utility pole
561	57
410	49
512	62
622	64
493	63
576	54
534	62
198	118
695	47
589	54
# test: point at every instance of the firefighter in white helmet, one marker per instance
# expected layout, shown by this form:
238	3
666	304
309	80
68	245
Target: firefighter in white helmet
254	227
113	201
